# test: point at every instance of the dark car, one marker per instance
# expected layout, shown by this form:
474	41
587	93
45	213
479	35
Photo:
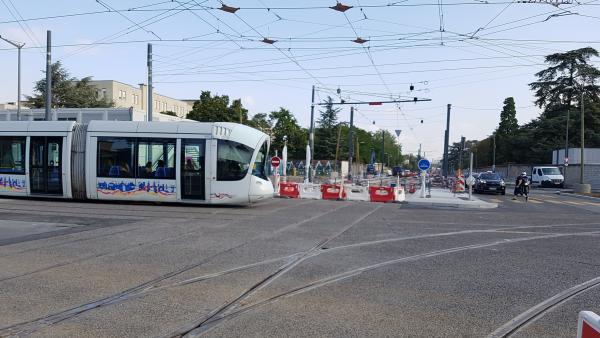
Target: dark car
489	182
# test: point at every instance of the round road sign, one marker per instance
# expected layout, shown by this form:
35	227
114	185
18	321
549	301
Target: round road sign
275	161
424	164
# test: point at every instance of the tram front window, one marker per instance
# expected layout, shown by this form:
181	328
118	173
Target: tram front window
233	160
260	163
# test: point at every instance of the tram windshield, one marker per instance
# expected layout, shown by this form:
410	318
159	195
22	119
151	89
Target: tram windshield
259	168
233	160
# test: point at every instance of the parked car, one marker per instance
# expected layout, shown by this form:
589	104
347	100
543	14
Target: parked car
547	177
490	182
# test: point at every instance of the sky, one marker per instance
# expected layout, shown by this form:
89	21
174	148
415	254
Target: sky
471	54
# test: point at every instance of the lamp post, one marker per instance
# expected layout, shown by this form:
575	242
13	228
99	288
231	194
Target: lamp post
18	46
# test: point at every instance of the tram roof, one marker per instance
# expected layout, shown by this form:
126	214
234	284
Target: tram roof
31	126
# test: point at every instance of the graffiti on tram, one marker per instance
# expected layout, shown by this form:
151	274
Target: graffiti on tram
12	184
123	188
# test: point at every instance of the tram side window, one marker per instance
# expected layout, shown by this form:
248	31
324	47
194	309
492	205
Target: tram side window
233	160
260	163
115	157
156	158
12	155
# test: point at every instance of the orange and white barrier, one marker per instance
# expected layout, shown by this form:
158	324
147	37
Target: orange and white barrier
332	192
310	191
289	190
588	325
381	194
459	185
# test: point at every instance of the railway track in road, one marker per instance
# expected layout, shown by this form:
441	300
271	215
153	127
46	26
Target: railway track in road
238	306
536	312
29	327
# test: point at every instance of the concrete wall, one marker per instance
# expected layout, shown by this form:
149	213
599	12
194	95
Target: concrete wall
591	174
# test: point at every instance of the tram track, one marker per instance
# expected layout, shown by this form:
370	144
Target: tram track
232	311
29	327
215	321
539	310
128	248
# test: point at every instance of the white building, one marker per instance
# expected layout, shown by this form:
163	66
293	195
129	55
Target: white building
125	96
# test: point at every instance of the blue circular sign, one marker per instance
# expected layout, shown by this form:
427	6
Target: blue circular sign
424	164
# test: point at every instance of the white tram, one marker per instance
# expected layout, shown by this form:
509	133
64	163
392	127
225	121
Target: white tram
212	163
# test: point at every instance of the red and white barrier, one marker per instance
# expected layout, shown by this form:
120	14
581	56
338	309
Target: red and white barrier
381	194
310	191
399	194
289	190
588	325
357	193
332	192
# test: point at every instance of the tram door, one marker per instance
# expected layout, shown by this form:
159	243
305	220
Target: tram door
193	168
45	173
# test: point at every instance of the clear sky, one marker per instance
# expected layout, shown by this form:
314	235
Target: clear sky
471	54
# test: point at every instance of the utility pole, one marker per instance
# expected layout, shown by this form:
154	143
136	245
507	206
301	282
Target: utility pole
149	117
382	150
494	155
567	144
350	143
311	137
19	46
460	153
581	167
48	75
446	140
419	155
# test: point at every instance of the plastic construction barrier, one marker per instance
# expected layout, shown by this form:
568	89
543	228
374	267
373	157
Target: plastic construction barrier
332	192
381	194
289	190
588	325
399	194
310	191
459	185
357	193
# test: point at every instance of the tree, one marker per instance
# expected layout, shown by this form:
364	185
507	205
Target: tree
217	109
260	122
569	75
506	129
326	131
67	91
285	124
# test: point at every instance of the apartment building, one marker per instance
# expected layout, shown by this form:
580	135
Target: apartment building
126	96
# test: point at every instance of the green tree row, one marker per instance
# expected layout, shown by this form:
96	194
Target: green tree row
569	82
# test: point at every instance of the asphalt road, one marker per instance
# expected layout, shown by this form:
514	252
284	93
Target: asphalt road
298	268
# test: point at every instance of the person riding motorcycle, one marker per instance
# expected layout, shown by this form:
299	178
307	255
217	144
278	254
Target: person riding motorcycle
520	185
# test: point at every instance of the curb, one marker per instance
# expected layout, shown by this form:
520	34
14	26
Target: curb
450	205
574	195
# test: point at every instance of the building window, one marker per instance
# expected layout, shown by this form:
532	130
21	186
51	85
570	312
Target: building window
125	95
115	157
156	158
12	155
103	93
233	160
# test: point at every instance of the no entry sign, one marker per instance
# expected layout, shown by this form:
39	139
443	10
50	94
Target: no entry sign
275	161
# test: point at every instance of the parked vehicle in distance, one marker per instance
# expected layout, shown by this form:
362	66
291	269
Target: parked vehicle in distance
547	177
489	182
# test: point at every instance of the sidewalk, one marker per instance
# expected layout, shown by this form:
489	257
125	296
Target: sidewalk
442	198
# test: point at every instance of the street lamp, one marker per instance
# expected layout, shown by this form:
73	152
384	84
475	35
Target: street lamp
19	46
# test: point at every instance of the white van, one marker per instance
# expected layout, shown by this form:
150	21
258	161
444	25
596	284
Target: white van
547	177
